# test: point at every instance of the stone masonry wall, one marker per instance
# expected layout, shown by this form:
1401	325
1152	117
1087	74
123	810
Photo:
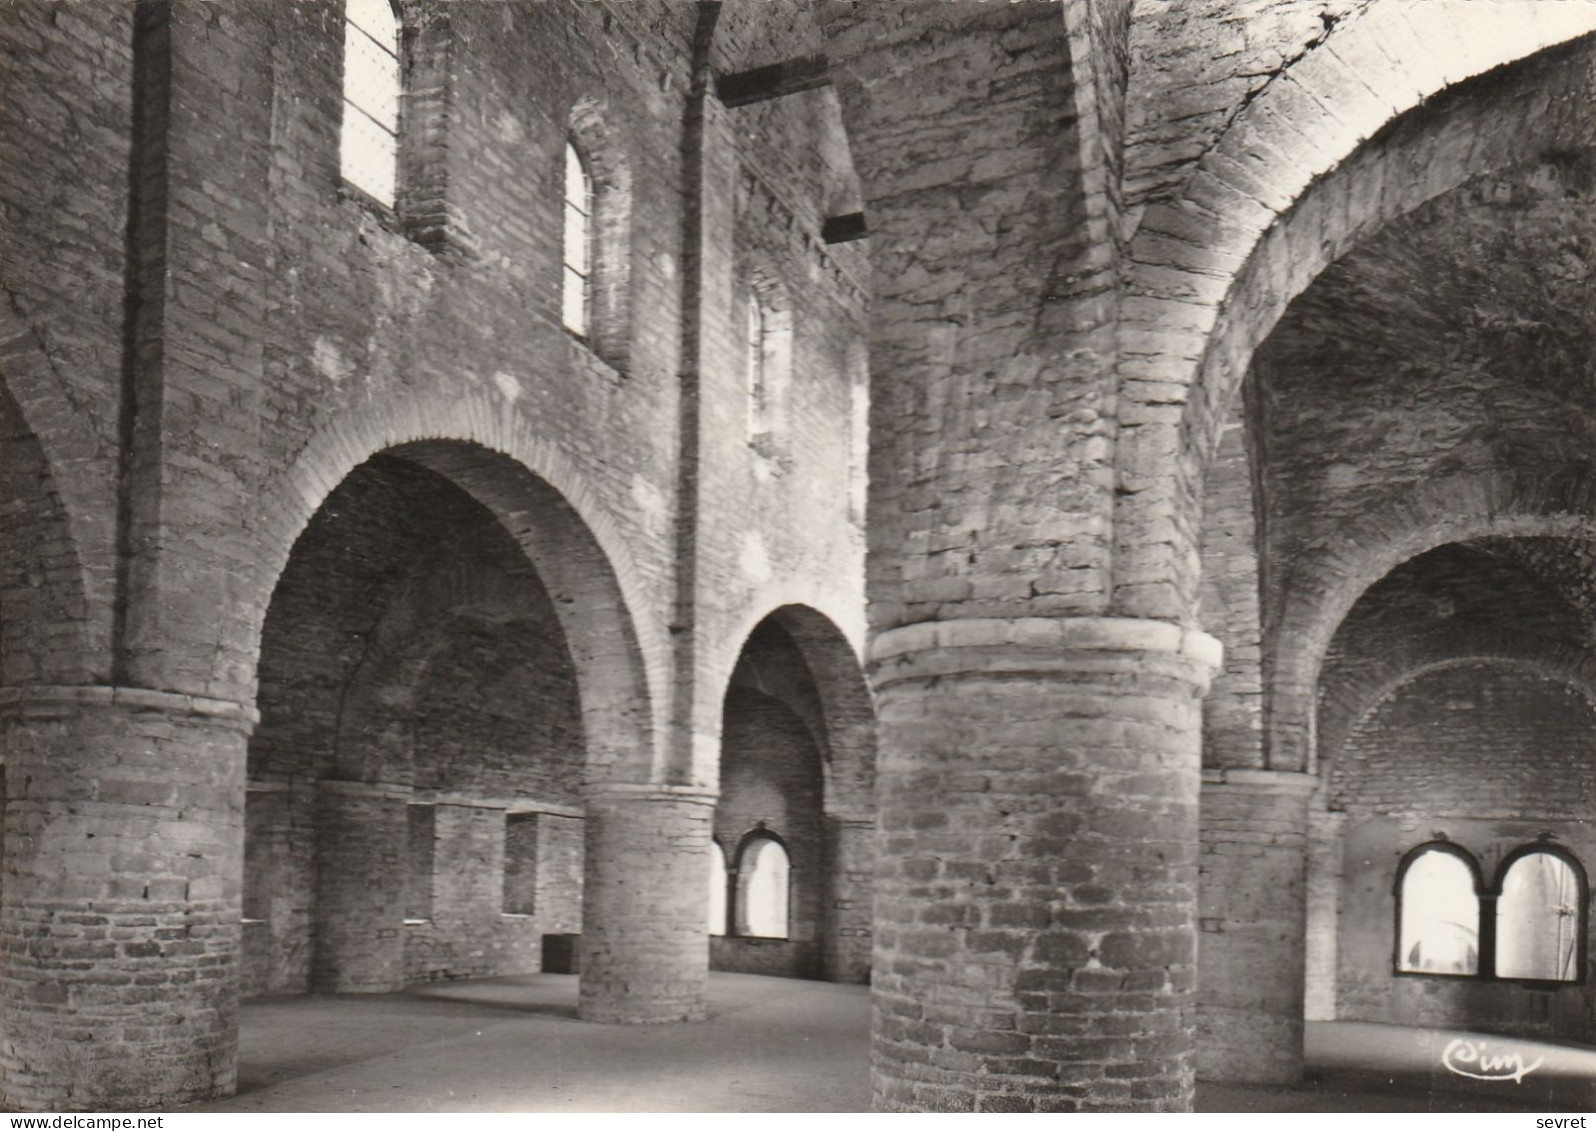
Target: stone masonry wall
1491	759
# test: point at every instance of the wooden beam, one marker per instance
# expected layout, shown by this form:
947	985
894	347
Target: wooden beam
775	81
844	229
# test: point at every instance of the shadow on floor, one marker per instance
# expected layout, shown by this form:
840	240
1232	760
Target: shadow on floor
773	1044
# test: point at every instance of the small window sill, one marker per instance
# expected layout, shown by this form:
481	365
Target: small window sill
515	914
418	922
247	922
588	358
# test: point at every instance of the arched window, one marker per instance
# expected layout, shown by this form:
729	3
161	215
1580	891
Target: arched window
717	888
577	298
369	141
1540	917
764	883
1438	912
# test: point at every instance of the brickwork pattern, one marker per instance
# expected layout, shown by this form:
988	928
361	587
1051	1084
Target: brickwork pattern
119	916
1253	920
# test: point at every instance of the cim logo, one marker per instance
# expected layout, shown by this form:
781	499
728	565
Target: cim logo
1474	1060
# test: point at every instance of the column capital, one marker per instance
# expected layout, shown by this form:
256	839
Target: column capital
1041	646
46	701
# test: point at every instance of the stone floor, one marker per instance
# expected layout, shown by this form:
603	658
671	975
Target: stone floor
515	1044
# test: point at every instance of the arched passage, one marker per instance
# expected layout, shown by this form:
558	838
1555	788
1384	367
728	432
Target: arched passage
1223	262
422	743
446	663
797	766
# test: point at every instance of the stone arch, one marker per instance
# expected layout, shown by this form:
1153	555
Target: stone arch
490	452
1359	131
1323	586
1573	667
605	151
842	722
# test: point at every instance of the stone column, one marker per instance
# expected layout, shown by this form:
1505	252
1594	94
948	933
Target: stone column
645	951
849	902
1036	891
119	921
362	847
1326	836
1253	918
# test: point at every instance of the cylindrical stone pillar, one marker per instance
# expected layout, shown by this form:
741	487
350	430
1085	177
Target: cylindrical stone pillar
645	948
1326	840
850	900
1036	886
119	920
1252	910
362	854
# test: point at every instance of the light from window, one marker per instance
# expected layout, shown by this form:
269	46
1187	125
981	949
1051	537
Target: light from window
578	242
766	877
1538	920
369	143
1440	916
754	345
717	888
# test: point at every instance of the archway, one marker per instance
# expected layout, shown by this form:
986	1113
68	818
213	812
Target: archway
797	765
442	633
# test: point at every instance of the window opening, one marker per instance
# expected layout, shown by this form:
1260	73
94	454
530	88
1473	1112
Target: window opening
1539	919
520	863
717	888
576	302
421	822
766	875
369	140
1440	915
754	344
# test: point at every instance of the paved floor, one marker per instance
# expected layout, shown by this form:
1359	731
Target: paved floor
771	1044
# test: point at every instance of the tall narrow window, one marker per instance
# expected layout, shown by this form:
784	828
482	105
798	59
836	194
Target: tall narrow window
1540	918
754	354
520	863
369	142
421	821
717	888
764	887
576	304
1439	913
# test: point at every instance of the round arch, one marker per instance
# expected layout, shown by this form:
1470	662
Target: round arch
1322	588
489	451
1360	130
1575	671
843	728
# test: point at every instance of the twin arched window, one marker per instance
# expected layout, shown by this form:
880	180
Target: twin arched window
369	141
1530	927
758	904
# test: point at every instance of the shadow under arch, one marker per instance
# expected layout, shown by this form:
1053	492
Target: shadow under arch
1266	211
842	720
1323	587
573	549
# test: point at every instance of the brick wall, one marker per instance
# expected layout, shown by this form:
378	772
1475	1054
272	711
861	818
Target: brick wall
770	782
1491	758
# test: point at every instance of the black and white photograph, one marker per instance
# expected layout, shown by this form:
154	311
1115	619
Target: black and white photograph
797	556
